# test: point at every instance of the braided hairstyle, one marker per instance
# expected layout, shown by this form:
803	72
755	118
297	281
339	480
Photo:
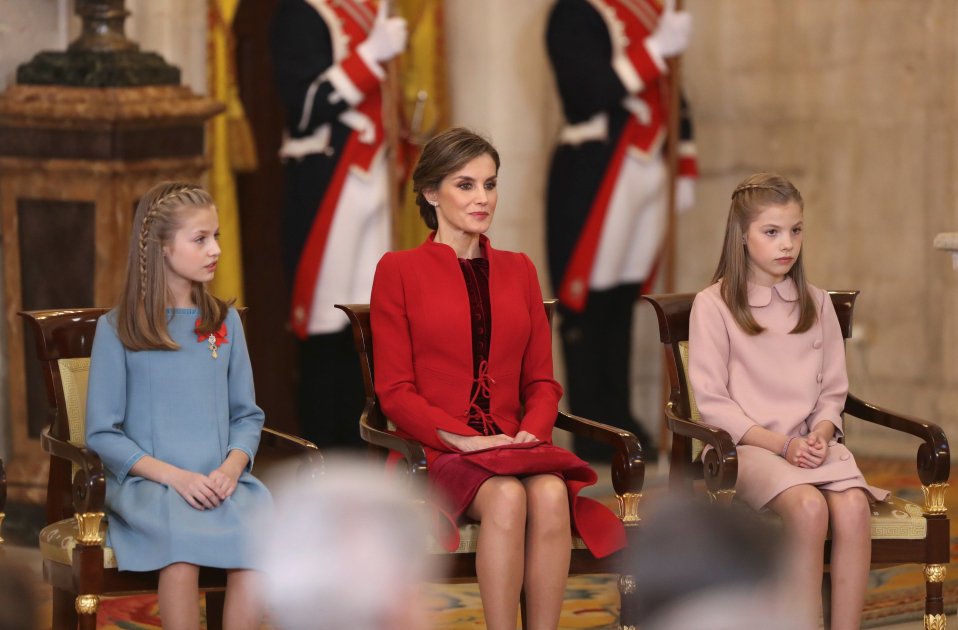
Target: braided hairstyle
141	313
754	194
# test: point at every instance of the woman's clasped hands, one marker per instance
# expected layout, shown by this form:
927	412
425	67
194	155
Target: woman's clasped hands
468	443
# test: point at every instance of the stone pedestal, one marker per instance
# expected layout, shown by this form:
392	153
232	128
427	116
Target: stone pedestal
73	164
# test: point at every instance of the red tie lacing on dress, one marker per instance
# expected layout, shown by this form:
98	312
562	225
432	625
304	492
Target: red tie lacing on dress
482	386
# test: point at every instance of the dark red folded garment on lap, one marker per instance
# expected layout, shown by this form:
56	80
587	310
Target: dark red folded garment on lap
457	477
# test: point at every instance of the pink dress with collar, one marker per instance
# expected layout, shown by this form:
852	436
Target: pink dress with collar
787	383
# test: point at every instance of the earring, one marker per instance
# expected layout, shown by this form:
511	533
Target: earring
433	203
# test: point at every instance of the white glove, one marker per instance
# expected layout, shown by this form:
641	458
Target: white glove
387	37
684	193
671	36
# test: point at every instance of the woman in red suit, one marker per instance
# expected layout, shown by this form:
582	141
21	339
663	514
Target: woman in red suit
464	365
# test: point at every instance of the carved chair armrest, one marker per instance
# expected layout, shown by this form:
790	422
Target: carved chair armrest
89	483
412	451
720	468
628	469
271	438
934	455
312	463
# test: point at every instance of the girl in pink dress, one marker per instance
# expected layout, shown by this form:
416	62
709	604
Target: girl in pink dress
767	364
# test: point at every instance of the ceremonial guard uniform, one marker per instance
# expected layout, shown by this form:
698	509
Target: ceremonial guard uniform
327	57
606	214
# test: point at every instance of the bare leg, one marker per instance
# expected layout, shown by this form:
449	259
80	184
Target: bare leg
243	609
850	514
179	596
805	514
548	549
500	508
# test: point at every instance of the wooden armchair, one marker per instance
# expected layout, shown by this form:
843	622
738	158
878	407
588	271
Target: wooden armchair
76	562
902	532
628	473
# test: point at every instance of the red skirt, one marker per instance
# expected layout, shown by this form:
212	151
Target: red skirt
456	477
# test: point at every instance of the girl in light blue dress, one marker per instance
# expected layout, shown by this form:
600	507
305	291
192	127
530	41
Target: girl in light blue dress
172	413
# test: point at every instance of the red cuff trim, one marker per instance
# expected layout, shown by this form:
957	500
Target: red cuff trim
688	167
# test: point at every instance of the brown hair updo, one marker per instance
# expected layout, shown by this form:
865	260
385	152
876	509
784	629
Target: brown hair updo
442	156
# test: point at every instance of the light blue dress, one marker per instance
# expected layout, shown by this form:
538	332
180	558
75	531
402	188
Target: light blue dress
187	409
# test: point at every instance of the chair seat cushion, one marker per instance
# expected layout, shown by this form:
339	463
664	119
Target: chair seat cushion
469	540
57	541
897	518
891	519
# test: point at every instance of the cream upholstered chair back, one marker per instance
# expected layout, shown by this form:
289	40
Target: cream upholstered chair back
694	414
74	375
64	340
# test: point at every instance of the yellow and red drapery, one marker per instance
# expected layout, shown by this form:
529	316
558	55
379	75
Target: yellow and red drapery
231	145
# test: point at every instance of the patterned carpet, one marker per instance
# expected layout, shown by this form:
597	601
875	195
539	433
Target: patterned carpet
896	594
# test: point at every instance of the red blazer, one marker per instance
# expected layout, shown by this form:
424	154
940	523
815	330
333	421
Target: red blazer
422	342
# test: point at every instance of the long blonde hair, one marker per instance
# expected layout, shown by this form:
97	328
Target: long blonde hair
750	197
141	312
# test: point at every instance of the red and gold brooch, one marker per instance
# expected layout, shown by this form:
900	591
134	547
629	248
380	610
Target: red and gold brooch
215	339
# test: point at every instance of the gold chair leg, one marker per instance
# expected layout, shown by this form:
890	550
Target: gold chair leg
629	515
627	587
87	606
935	573
934	611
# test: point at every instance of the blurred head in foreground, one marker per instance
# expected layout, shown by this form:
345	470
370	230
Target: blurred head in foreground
345	550
710	567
